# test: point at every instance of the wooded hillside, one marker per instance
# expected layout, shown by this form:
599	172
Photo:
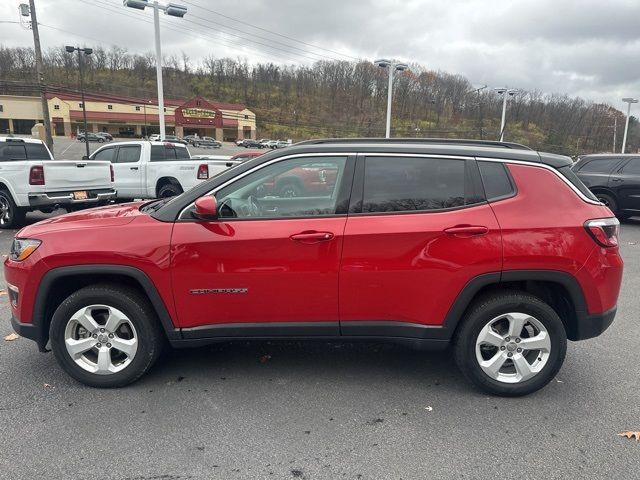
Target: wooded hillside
333	98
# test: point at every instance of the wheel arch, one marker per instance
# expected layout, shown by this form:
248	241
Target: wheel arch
167	180
558	289
58	283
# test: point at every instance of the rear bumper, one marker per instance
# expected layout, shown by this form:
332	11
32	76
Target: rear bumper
66	198
593	325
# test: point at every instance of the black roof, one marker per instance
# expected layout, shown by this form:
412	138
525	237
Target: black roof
433	146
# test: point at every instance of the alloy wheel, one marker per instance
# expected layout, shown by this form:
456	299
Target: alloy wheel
101	339
513	347
5	211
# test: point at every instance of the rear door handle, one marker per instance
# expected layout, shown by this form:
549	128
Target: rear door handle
467	230
617	180
133	168
312	237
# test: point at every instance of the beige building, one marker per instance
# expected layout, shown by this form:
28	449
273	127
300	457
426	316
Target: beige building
128	116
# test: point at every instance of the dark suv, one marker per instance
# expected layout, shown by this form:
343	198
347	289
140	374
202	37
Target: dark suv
614	179
426	243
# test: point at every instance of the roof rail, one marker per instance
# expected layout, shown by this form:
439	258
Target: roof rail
418	141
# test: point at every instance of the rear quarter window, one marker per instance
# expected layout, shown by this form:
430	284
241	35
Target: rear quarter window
597	165
570	175
496	180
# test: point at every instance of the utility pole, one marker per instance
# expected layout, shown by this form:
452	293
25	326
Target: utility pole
86	51
628	101
40	69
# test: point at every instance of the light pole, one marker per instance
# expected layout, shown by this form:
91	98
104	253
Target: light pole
383	63
86	51
173	10
478	90
505	92
628	101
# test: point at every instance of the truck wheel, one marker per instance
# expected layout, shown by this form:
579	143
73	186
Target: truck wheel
105	335
169	190
510	344
11	216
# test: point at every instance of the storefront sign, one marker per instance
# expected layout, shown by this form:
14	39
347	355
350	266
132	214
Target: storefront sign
198	113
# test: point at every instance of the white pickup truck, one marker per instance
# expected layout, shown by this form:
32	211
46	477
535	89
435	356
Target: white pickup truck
30	179
146	169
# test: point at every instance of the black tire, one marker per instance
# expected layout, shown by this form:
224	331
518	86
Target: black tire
481	313
609	201
196	144
139	311
289	190
101	140
169	190
11	216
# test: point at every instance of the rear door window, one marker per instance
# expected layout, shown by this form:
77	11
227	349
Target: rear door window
400	184
598	165
162	153
37	151
128	154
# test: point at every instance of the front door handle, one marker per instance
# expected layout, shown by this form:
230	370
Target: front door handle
616	179
467	230
312	237
133	168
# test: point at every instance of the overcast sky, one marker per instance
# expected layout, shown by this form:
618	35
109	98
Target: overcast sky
579	47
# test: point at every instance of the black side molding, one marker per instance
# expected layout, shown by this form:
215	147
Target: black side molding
39	309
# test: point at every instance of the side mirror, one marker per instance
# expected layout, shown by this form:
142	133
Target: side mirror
84	157
206	208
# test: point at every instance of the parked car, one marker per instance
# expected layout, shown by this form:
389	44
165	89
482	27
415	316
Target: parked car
174	139
263	142
31	180
156	169
244	156
91	137
207	142
282	144
106	135
190	139
155	137
614	179
272	144
249	143
423	243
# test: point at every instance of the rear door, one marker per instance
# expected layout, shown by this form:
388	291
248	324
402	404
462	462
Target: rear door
128	171
625	183
418	230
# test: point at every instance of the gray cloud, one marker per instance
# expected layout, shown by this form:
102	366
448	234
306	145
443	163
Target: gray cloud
578	47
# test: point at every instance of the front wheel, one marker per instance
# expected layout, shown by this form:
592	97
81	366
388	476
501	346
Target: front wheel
510	344
105	335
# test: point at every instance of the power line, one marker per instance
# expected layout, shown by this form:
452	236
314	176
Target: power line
269	31
109	7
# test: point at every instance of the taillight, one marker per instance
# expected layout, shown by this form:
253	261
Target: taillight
112	175
36	175
203	172
604	231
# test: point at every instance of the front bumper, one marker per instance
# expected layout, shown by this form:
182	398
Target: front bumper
30	331
593	325
50	199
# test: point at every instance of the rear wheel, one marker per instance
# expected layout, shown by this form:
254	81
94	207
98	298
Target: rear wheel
510	344
608	200
11	216
105	335
169	190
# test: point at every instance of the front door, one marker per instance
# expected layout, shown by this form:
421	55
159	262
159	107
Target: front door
418	232
127	170
269	264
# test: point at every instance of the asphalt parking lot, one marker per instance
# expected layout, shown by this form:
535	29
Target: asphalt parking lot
317	411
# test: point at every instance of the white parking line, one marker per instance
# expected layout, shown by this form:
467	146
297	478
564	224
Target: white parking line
68	147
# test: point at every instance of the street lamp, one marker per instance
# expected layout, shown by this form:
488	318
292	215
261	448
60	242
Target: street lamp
629	101
383	63
477	91
506	92
86	51
172	10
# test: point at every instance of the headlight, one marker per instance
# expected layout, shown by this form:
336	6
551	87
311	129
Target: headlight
21	248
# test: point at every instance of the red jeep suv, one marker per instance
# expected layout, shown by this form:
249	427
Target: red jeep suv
493	248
